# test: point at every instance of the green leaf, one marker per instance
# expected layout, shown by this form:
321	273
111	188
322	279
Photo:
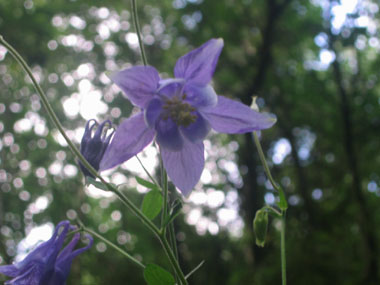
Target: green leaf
174	212
145	183
282	204
152	204
97	184
156	275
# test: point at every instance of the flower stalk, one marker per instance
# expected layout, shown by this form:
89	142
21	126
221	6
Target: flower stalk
111	244
77	153
283	205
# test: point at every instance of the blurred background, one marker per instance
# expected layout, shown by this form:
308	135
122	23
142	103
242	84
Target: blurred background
313	63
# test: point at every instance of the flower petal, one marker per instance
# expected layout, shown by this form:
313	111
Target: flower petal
31	276
198	130
9	270
232	117
198	66
139	83
201	97
153	112
131	137
184	167
171	87
168	135
65	258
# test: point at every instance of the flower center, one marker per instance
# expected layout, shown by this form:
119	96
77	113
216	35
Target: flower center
179	111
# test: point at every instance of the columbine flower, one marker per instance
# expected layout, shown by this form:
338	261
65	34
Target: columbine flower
179	112
45	265
93	147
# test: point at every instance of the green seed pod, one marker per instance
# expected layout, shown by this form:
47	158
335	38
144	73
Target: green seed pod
260	226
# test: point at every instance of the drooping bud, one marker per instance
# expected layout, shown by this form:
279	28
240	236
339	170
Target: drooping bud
94	147
260	226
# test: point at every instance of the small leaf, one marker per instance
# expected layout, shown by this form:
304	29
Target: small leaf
97	184
282	204
156	275
152	204
145	183
174	212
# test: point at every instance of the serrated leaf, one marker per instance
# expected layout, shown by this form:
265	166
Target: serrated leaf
156	275
152	204
145	183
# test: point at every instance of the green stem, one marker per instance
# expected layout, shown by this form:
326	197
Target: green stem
164	186
283	248
111	244
77	153
283	205
137	27
73	148
147	172
173	260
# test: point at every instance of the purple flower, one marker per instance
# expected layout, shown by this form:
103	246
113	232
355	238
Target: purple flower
179	112
46	265
93	147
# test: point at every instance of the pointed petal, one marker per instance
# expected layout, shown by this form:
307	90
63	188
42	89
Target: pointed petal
233	117
201	97
9	270
168	135
32	276
139	83
198	66
184	167
64	260
131	137
153	112
197	131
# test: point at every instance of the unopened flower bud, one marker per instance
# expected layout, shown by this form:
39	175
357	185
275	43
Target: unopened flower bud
260	226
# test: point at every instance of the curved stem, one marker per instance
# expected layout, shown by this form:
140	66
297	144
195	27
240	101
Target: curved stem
111	244
73	148
137	27
77	153
147	172
282	204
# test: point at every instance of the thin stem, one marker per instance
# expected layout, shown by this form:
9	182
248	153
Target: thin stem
73	148
164	186
264	162
283	205
77	153
137	27
111	244
147	173
173	260
283	248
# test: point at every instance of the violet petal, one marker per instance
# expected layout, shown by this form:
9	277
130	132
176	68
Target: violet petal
198	130
153	112
168	135
184	167
139	83
232	117
198	66
131	137
200	97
